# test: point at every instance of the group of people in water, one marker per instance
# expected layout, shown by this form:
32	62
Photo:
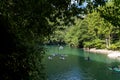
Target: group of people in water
116	67
87	58
61	56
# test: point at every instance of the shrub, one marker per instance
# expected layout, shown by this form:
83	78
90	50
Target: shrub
113	47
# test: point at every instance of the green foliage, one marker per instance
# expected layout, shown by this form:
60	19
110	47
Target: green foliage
26	24
58	35
111	12
99	43
85	30
88	44
113	47
92	32
72	33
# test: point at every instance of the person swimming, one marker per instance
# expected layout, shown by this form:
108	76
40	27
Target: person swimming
87	58
61	47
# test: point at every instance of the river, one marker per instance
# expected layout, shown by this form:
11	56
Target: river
75	65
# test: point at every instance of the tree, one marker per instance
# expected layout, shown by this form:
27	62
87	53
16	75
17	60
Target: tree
26	24
92	31
110	12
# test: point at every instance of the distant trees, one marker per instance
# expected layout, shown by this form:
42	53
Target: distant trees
81	13
110	12
89	30
100	29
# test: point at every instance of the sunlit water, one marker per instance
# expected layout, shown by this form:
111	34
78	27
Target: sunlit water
76	67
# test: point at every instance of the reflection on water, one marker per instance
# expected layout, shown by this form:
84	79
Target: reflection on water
76	67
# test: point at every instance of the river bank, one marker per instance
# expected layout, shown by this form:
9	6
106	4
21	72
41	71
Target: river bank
109	53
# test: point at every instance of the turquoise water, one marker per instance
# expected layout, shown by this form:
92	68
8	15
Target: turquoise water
76	67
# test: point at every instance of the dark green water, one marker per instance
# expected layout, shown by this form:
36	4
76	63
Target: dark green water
76	67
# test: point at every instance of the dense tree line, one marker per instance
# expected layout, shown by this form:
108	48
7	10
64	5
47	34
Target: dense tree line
99	29
94	32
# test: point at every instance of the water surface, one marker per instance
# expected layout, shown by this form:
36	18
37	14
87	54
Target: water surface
76	67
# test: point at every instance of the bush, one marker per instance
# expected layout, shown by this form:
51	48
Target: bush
97	43
88	45
113	47
117	45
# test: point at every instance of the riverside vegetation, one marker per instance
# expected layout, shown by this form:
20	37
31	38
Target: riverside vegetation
99	29
27	24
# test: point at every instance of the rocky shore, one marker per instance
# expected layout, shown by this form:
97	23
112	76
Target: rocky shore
109	53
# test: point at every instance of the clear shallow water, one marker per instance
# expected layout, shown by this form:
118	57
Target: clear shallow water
76	67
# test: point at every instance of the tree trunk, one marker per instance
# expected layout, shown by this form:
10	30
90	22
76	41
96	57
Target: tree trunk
109	40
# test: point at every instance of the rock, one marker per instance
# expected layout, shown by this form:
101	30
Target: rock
114	55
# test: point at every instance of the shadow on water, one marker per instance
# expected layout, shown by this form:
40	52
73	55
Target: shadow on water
76	67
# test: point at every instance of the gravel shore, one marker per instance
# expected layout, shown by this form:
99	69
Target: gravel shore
110	53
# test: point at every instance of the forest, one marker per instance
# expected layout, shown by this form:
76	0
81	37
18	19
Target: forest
27	24
98	29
